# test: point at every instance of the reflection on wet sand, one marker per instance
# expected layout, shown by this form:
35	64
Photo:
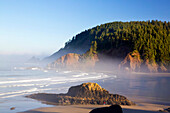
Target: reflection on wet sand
146	88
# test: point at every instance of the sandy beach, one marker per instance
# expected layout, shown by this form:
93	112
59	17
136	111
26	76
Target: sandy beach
142	108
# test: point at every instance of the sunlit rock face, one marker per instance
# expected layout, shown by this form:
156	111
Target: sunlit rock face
132	61
74	61
91	90
86	93
68	60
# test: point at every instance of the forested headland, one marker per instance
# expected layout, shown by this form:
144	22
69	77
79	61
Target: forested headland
137	43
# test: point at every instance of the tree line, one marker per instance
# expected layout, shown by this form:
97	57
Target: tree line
150	38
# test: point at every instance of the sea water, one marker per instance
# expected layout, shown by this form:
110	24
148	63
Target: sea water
16	83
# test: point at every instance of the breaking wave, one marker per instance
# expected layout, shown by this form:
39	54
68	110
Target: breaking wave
23	86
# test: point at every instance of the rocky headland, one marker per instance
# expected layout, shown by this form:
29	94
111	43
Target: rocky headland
138	46
86	93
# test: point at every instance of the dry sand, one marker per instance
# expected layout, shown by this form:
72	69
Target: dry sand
143	108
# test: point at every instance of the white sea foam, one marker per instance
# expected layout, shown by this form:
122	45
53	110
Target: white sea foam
19	68
39	90
51	83
45	71
16	92
34	68
78	78
67	71
18	85
44	84
80	75
23	92
14	95
23	81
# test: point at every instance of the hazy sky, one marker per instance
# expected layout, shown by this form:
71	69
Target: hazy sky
43	26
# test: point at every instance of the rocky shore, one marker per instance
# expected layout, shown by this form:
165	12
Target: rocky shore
86	93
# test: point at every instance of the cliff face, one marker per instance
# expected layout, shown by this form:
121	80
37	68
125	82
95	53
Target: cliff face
86	93
74	61
152	66
132	61
66	61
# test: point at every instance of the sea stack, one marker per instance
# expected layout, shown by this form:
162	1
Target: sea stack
86	93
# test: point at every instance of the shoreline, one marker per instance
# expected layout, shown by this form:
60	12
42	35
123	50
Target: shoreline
113	86
142	108
143	105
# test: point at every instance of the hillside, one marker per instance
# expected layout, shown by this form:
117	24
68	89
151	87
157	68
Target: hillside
79	45
137	44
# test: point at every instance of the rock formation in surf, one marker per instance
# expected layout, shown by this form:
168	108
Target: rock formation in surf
86	93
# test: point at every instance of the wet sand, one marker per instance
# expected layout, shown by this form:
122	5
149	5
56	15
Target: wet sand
142	108
140	88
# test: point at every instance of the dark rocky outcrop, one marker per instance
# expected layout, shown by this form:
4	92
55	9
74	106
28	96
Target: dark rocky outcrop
167	110
111	109
12	108
86	93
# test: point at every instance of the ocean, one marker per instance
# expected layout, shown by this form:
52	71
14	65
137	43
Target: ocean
16	83
19	82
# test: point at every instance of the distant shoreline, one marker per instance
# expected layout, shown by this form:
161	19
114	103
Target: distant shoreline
152	74
138	73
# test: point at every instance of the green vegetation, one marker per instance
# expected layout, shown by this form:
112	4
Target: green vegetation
150	38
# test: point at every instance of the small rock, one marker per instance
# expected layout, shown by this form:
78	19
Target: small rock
165	110
12	108
111	109
168	110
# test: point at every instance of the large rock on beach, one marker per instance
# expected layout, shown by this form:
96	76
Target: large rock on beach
91	90
86	93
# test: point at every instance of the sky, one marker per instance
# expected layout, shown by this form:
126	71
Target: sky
41	27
